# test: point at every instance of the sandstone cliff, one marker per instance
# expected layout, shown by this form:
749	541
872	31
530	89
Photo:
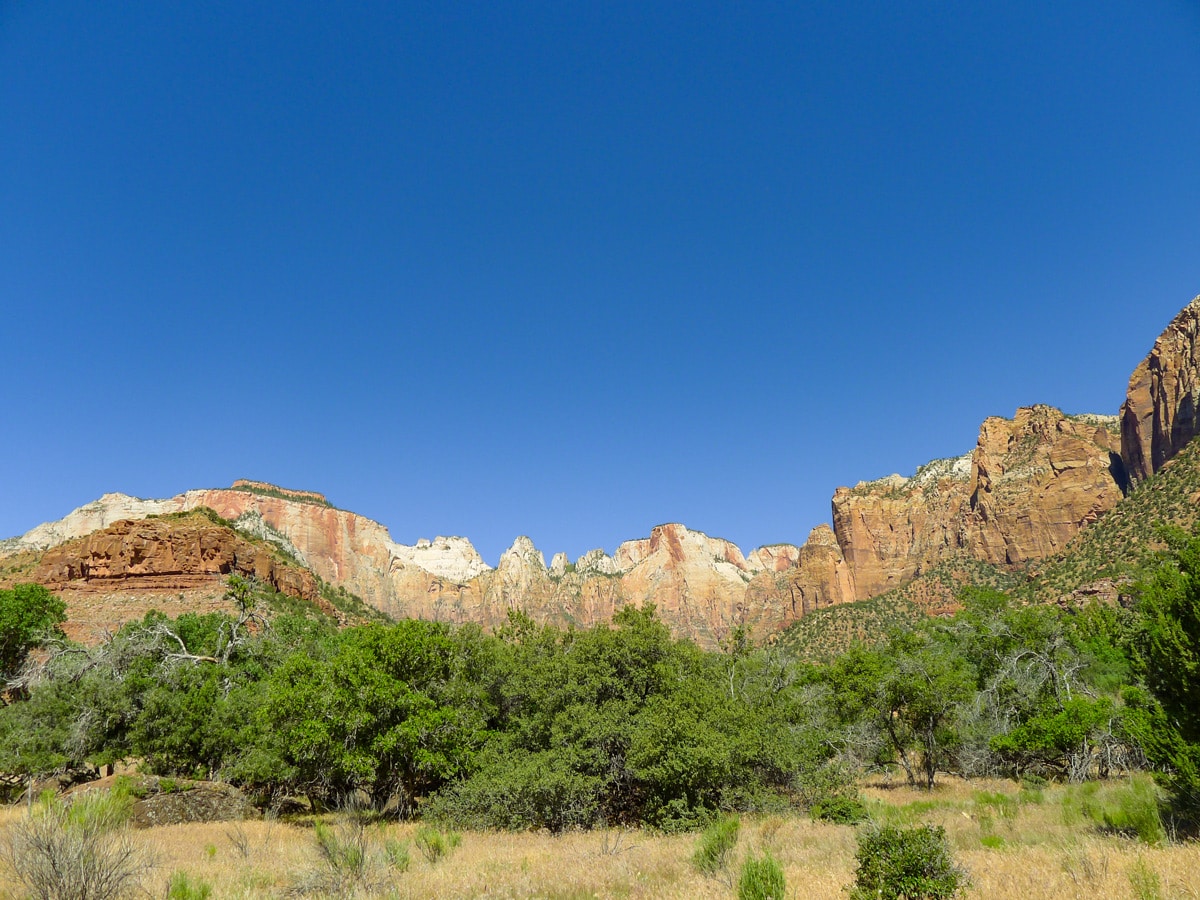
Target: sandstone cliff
1160	413
1037	479
1031	483
174	564
169	554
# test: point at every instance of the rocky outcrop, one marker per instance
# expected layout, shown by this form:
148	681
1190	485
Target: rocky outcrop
1031	483
819	577
168	554
1037	479
890	529
1160	414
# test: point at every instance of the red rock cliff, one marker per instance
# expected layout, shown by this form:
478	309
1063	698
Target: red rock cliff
1160	412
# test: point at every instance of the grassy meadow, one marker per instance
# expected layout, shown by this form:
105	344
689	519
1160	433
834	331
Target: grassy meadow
1013	843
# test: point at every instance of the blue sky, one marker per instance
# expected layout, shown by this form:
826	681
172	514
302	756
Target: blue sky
572	270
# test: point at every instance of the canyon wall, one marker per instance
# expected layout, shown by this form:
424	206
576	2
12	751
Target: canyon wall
1029	485
1159	415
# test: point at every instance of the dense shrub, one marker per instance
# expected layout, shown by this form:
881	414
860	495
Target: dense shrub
517	792
716	845
1131	809
762	879
905	864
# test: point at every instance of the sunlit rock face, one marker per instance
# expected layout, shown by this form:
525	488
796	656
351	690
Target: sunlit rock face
1031	483
1160	413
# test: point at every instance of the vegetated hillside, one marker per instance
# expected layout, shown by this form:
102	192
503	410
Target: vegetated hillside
1102	561
1125	539
823	634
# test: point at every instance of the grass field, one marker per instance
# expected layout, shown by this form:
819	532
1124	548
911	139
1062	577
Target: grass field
1013	843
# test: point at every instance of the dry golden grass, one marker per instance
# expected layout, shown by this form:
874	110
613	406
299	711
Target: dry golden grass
1040	854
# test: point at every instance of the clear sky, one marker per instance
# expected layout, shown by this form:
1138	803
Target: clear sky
568	269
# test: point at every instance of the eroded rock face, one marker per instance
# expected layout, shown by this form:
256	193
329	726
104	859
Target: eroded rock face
890	529
1025	490
168	554
1031	483
1160	414
1037	479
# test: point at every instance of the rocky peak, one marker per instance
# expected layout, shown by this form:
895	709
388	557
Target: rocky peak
523	554
521	567
777	557
558	565
596	562
1161	412
674	545
1037	479
452	558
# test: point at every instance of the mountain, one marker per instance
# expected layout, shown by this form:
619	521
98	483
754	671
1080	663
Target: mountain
1033	487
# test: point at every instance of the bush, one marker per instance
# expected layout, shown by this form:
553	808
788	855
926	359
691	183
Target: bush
716	844
434	845
517	792
762	879
831	794
182	887
905	864
397	854
839	810
1131	809
1144	881
81	852
345	862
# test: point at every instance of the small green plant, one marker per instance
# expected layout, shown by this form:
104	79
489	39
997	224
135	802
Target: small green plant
169	786
1144	881
434	844
343	849
992	841
346	862
905	864
831	795
397	854
126	786
762	879
210	850
1131	809
839	810
100	811
181	887
716	844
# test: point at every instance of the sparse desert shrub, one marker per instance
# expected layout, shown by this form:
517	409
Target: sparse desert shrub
434	844
762	879
77	852
346	862
1144	881
397	854
716	844
905	864
182	887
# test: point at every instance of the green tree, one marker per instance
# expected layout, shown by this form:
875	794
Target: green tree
1167	643
29	615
